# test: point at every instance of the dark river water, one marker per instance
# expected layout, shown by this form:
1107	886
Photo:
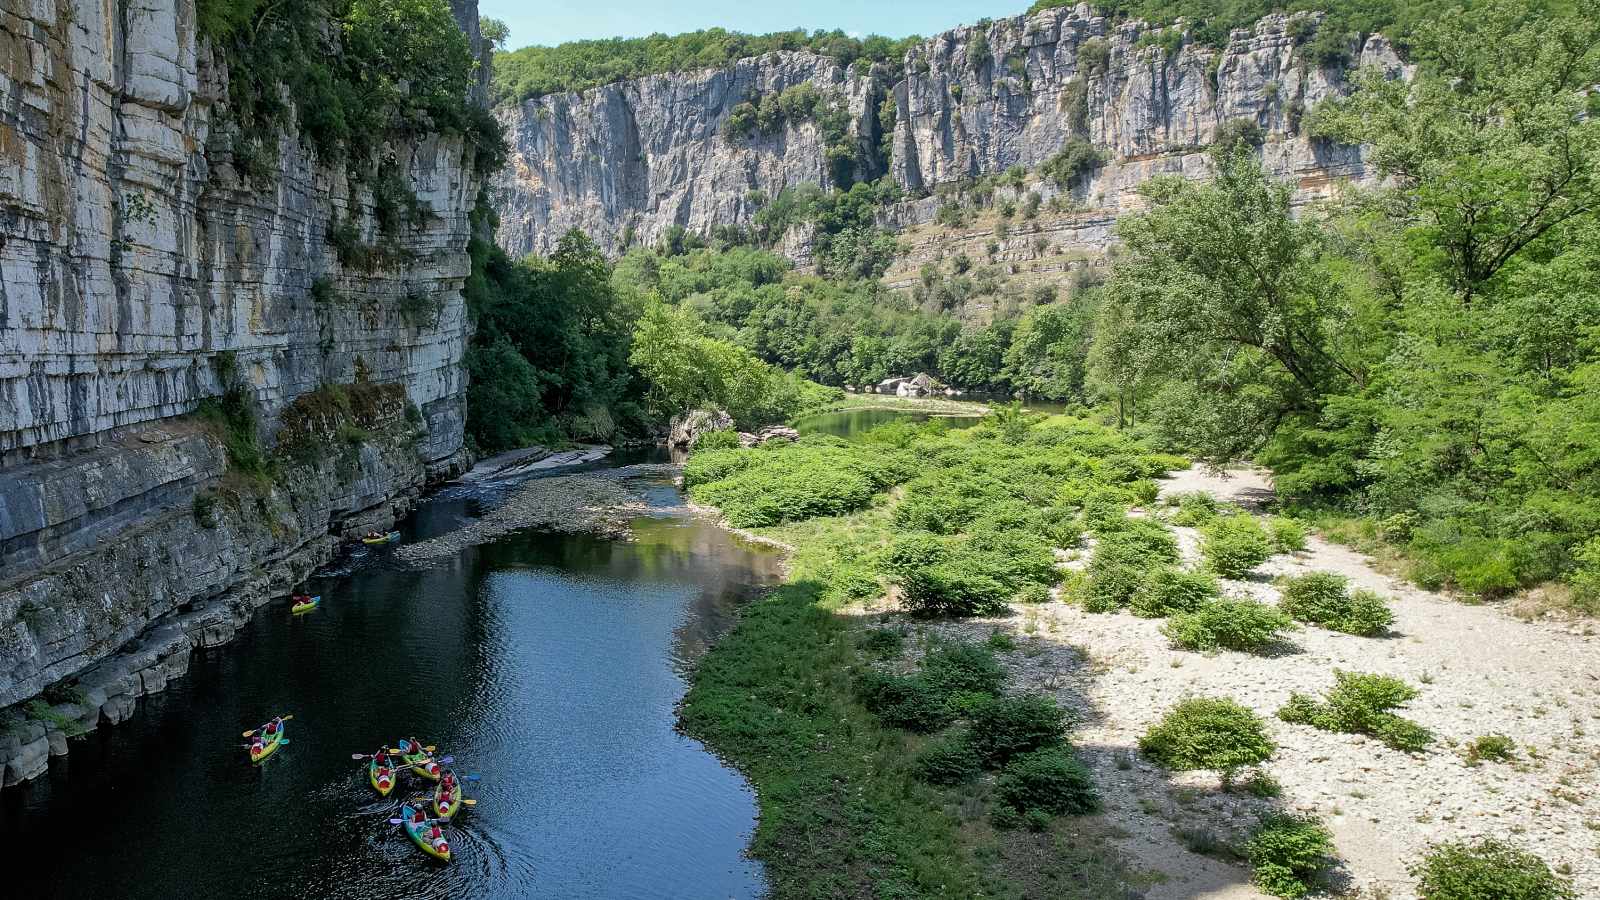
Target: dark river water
549	664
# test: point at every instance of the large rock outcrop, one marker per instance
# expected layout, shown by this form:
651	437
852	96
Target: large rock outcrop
640	156
140	273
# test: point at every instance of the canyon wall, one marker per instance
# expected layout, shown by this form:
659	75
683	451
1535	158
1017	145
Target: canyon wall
141	273
644	155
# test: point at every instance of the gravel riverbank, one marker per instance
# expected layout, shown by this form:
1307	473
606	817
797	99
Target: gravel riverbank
601	502
1479	670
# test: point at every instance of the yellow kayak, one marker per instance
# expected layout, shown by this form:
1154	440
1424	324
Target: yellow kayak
447	810
422	834
381	539
420	762
267	746
382	778
306	606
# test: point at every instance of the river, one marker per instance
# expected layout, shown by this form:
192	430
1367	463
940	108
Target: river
547	663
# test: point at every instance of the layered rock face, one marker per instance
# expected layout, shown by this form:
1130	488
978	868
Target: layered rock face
138	272
1149	113
646	154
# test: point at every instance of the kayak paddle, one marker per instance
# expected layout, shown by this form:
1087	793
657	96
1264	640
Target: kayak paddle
253	731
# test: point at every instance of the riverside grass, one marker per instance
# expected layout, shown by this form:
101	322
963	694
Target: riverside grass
844	811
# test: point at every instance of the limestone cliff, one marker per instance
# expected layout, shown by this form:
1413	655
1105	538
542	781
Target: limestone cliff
140	273
645	154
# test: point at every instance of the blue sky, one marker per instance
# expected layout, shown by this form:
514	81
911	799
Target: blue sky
553	23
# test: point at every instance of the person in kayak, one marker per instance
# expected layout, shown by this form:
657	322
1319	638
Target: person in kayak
273	726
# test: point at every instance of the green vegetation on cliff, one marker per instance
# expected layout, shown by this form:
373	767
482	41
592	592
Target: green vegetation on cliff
359	73
536	71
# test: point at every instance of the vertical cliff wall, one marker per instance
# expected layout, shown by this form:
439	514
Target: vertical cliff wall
646	153
141	272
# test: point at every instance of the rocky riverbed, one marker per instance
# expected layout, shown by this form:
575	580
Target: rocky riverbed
1479	670
601	502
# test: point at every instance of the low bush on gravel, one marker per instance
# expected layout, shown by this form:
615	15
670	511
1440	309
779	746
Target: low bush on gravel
1194	509
1322	597
1289	854
968	575
1491	747
1287	535
1165	591
885	642
1049	781
1235	545
1208	733
1361	703
1490	870
1228	624
1111	587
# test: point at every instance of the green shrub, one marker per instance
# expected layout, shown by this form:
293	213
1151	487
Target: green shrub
1036	820
1229	624
205	511
726	439
1320	597
883	641
1005	818
1165	591
1136	542
1289	853
1492	747
1111	587
1194	509
905	702
962	666
1208	733
1287	535
1000	642
1234	546
1361	703
1490	870
1050	781
949	761
1033	593
1008	727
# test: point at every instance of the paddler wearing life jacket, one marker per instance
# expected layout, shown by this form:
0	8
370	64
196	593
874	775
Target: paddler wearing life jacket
436	837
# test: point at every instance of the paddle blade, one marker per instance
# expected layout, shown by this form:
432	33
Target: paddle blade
429	749
396	821
287	718
283	740
247	734
469	803
472	777
358	756
447	759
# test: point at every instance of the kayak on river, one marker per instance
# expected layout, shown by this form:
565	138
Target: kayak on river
424	832
305	604
380	771
265	740
447	797
375	538
416	756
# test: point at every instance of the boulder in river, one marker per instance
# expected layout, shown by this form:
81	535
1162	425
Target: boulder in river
687	428
767	433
